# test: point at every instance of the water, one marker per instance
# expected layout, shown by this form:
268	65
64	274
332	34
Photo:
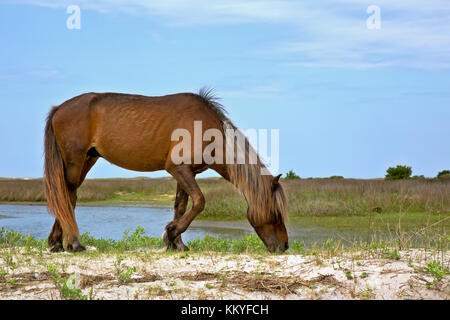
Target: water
111	222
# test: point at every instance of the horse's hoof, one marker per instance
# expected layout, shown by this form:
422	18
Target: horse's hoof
79	248
176	245
180	246
58	247
75	247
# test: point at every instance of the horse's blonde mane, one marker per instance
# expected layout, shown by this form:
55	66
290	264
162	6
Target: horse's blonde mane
266	201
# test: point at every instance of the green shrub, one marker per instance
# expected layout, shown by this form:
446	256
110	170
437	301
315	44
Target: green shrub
136	240
297	247
436	269
250	243
11	238
398	173
210	243
123	272
67	287
444	175
291	175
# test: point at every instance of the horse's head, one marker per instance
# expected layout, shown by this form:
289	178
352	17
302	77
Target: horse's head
272	229
274	236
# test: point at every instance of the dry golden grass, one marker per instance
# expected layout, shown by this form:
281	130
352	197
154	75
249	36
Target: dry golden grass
358	197
306	197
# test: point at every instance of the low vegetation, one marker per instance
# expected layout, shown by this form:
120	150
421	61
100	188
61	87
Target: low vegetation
250	244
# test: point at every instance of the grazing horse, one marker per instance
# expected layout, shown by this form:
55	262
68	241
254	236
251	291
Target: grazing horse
135	132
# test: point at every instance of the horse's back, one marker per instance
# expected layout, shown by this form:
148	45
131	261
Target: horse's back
131	131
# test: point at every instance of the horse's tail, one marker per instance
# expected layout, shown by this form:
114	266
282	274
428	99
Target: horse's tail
56	190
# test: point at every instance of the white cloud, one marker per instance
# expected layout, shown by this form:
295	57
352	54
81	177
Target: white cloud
41	72
413	33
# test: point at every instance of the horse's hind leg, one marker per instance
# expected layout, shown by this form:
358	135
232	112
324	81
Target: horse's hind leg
58	235
75	177
55	238
73	241
181	200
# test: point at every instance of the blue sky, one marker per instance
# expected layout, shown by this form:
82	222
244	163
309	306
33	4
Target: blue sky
347	100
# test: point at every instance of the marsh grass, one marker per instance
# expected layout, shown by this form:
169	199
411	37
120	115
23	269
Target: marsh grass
92	190
323	197
306	197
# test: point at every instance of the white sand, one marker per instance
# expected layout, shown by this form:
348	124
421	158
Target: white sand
350	275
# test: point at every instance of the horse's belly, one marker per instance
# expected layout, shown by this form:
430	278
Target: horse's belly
132	164
133	154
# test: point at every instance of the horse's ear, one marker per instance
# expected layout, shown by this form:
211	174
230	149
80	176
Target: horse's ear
275	181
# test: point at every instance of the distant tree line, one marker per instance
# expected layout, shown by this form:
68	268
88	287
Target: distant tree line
399	172
404	172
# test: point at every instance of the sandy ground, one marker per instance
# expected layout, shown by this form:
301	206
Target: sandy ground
158	275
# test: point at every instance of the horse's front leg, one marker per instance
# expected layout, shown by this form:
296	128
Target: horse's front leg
186	180
181	200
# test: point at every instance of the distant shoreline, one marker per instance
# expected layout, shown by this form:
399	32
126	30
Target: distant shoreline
2	216
89	204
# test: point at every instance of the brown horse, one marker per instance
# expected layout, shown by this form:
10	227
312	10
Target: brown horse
135	132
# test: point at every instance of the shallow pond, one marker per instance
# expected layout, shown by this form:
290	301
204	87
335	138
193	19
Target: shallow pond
112	221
